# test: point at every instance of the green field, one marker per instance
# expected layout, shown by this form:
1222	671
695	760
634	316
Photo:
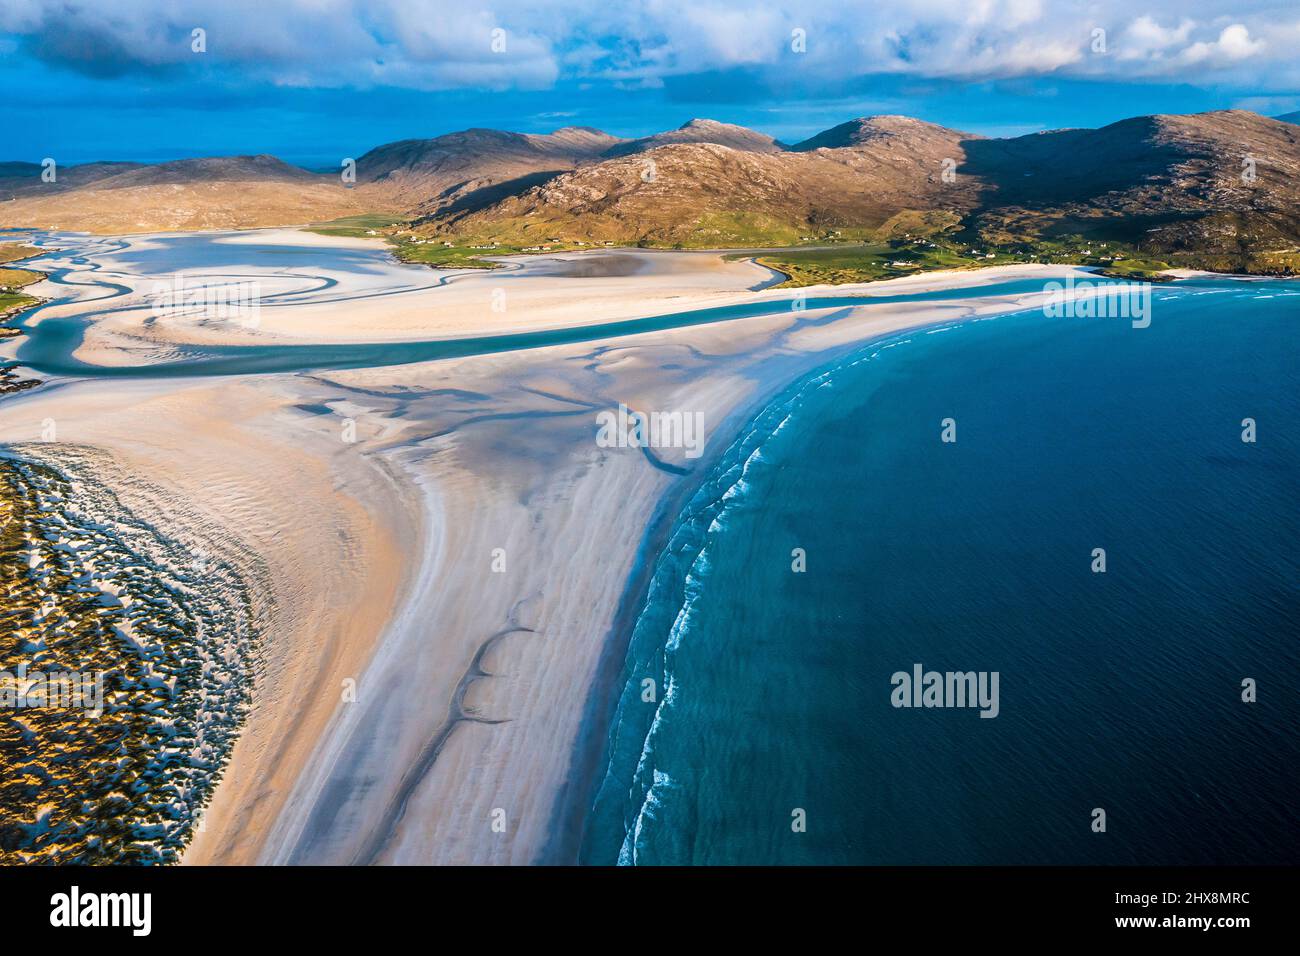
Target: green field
13	279
13	251
908	244
368	226
870	262
468	255
14	302
435	254
405	245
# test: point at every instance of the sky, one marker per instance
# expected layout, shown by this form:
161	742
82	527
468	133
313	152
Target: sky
318	81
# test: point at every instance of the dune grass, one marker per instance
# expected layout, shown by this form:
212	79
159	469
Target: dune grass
435	254
12	303
870	262
365	226
13	251
11	280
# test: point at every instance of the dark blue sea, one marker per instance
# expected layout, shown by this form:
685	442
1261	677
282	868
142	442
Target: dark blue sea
769	736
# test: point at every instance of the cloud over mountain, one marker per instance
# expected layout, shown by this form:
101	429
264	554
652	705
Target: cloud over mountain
423	44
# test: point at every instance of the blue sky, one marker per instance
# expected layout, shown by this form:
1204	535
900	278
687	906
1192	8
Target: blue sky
313	81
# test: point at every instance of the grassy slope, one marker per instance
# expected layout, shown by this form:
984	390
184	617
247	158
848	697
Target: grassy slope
369	225
13	251
11	280
890	260
909	243
12	303
449	257
461	255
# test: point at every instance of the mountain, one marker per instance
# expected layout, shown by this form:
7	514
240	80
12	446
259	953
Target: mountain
412	178
713	194
1216	190
701	131
1222	188
186	172
219	193
884	132
470	169
23	178
19	171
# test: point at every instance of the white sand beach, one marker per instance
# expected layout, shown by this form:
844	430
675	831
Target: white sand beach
463	559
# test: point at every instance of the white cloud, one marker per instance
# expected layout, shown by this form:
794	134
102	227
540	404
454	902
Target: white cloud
1145	39
438	44
1234	44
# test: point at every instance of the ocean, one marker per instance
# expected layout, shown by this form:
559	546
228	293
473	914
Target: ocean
840	541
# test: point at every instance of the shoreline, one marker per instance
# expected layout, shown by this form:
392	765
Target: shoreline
461	314
451	461
10	381
463	308
573	806
229	486
570	791
672	836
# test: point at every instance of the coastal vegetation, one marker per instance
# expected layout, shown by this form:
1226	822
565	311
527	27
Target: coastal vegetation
14	251
119	771
411	247
449	255
11	303
869	262
356	227
12	281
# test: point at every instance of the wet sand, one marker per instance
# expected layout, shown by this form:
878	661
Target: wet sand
470	558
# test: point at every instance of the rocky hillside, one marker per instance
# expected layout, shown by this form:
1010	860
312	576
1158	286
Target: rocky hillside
471	169
701	131
1216	190
1222	186
19	179
883	133
711	194
221	193
413	178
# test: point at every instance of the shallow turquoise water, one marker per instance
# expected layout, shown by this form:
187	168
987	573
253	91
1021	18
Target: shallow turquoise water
1119	691
51	342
